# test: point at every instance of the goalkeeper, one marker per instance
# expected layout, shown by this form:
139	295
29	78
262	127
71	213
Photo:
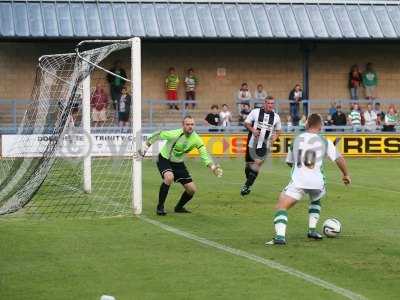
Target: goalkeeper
170	162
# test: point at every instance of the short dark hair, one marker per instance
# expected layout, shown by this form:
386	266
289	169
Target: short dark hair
269	98
314	120
214	106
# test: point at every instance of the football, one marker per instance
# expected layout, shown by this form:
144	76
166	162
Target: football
332	227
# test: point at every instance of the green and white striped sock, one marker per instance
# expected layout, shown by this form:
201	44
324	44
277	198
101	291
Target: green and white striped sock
314	211
280	222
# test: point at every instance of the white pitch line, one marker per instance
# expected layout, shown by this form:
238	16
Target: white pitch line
266	262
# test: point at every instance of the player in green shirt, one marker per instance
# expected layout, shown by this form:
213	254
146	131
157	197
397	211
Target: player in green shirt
171	165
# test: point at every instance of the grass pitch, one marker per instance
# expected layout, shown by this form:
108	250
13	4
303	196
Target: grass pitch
131	259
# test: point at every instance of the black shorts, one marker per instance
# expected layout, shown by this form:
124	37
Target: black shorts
181	174
256	153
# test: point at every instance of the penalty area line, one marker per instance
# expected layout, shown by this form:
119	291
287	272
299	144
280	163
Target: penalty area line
264	261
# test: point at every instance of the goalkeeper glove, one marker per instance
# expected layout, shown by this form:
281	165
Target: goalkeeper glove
145	148
217	170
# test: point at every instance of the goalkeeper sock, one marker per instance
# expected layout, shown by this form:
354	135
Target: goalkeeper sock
162	195
247	171
280	222
314	211
185	198
251	178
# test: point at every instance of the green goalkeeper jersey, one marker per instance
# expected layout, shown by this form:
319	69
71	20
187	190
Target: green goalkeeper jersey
179	144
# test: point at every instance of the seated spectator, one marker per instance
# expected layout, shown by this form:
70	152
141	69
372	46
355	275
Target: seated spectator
302	123
212	118
339	118
355	118
355	81
391	120
370	81
289	123
244	95
379	113
124	107
370	118
171	86
191	83
332	109
99	103
295	97
244	112
259	96
225	116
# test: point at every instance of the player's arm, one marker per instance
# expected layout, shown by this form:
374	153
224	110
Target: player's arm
335	156
249	121
277	130
156	136
206	159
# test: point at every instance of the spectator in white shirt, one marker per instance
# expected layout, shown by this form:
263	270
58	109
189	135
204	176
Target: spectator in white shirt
259	95
244	95
370	118
225	116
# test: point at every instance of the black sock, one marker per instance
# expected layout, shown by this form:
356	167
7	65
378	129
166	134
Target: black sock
185	198
252	176
162	195
247	171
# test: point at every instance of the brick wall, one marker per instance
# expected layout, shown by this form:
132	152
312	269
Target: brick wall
276	65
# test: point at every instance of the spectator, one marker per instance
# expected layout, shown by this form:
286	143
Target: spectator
225	116
244	95
295	97
124	107
355	80
339	118
328	122
370	81
370	118
391	120
116	83
212	118
302	123
355	118
259	96
191	83
171	86
289	123
332	109
379	113
244	112
99	103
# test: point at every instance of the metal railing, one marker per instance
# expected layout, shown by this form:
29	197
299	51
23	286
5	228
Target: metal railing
11	114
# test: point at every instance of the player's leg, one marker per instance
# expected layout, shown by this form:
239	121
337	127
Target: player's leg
288	198
187	195
183	177
314	212
167	175
254	161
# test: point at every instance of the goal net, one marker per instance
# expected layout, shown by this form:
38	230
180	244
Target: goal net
63	161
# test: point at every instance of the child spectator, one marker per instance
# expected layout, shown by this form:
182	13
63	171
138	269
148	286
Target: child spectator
225	116
391	119
124	107
332	109
370	118
171	86
355	80
289	123
259	96
244	112
212	118
355	118
339	118
328	122
116	83
99	102
191	83
370	81
244	95
379	113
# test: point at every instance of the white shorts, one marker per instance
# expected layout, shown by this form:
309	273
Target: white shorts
297	193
